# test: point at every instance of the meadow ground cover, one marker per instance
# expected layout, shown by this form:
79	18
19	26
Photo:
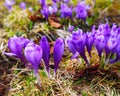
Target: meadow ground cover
59	48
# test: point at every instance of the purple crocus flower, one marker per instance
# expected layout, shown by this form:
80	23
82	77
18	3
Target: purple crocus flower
65	11
79	35
106	30
80	47
114	31
45	11
72	48
33	54
81	10
46	51
15	44
42	2
9	3
53	8
22	5
89	42
77	44
99	42
58	52
110	46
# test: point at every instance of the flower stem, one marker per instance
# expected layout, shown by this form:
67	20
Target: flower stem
38	78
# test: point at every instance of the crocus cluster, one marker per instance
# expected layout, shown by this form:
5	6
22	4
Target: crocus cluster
25	49
105	40
9	4
65	8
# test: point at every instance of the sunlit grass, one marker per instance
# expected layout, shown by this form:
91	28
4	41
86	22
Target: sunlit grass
24	83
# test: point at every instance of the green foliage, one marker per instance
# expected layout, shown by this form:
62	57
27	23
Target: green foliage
30	25
16	22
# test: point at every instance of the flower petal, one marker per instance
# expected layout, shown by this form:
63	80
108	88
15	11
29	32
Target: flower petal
33	53
58	52
46	51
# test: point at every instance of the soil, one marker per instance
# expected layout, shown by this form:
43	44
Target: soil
87	75
6	75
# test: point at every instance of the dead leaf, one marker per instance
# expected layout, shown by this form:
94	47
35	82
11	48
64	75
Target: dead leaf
54	22
36	16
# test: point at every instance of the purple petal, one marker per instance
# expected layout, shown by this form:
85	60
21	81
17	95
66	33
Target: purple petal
81	10
46	51
42	2
9	54
14	47
89	42
75	55
45	11
22	5
54	1
9	3
53	9
72	48
58	52
33	53
70	28
80	47
110	46
99	44
15	44
66	1
65	11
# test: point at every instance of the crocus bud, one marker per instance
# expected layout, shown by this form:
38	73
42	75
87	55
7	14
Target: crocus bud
45	11
46	51
65	11
22	5
99	43
58	52
33	54
89	42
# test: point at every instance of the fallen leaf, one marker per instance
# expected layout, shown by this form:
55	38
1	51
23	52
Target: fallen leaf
36	16
54	22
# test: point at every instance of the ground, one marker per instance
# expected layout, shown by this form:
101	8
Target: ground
73	77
